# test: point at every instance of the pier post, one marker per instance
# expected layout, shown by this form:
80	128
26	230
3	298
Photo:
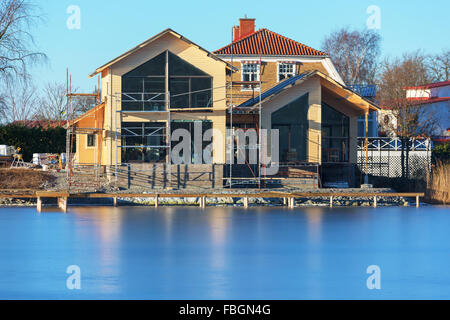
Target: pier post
39	205
115	202
375	202
418	201
331	201
285	201
62	204
291	203
203	202
246	202
157	201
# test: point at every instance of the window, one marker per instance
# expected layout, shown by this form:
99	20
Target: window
190	126
286	71
335	135
292	123
143	142
373	125
91	139
250	72
189	86
144	88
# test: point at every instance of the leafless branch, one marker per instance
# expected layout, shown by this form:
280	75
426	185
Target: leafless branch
355	54
17	52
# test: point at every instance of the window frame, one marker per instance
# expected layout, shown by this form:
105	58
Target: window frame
257	73
138	100
87	141
279	73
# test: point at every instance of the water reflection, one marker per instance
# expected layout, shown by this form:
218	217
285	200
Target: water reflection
225	253
103	227
315	220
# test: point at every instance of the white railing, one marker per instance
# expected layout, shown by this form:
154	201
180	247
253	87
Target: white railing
395	144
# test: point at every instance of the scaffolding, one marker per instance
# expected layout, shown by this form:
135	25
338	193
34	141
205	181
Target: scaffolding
83	176
157	104
258	176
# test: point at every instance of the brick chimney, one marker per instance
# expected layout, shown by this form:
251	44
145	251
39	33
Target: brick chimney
245	28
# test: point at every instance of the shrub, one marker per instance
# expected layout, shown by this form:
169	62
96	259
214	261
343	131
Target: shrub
442	152
34	140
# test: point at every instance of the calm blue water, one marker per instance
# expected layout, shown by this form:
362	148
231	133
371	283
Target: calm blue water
184	253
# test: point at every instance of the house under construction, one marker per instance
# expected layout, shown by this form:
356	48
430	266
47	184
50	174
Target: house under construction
261	80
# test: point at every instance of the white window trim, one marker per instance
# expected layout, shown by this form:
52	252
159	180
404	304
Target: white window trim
258	74
278	69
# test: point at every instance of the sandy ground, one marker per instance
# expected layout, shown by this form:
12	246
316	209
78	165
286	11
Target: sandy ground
22	179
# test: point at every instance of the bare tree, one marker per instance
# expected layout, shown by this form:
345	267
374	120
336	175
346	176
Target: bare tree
355	54
18	102
17	52
439	66
53	103
396	76
411	119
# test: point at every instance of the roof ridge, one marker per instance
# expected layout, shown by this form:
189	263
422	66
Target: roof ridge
148	41
287	38
304	49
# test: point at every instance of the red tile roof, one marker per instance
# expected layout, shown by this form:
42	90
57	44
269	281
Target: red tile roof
266	42
431	85
429	100
45	124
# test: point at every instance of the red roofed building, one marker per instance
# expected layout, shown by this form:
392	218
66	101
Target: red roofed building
263	55
168	83
436	97
45	124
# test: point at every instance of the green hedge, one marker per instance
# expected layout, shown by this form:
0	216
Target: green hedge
442	152
34	140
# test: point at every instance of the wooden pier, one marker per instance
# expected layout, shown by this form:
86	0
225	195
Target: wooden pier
288	199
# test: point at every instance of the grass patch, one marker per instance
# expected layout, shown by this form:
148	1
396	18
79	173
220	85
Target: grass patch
439	184
19	179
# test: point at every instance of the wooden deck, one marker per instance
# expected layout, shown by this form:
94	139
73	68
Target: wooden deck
288	198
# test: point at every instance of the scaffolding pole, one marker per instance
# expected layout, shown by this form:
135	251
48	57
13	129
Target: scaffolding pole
118	112
231	147
260	119
73	131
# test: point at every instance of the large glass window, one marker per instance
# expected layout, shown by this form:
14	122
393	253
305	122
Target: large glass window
143	142
144	88
292	122
190	127
189	86
335	135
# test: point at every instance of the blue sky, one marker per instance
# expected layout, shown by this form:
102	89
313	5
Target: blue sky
109	28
